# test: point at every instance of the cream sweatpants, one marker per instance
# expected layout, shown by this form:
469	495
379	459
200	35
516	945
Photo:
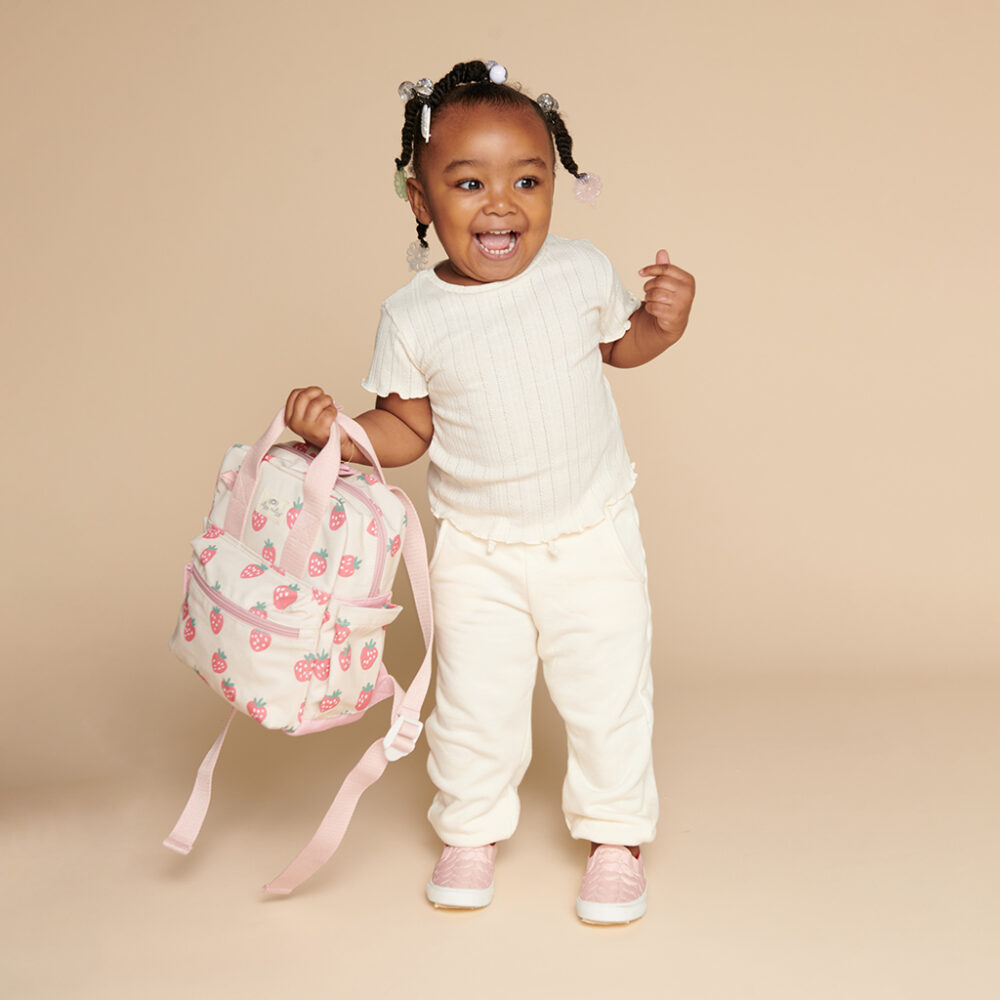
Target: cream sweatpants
580	606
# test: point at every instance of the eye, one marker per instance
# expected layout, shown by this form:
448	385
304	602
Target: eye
526	183
469	185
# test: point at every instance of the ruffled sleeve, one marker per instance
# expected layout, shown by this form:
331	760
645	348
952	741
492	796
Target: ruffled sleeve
393	367
621	303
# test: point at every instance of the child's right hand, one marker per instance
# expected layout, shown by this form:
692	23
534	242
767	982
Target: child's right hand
310	414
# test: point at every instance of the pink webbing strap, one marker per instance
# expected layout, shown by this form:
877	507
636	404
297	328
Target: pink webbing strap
320	480
186	831
334	824
415	556
369	769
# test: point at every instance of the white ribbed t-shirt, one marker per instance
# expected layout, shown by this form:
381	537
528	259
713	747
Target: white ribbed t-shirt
527	442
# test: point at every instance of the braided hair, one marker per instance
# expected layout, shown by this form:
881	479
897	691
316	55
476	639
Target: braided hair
468	84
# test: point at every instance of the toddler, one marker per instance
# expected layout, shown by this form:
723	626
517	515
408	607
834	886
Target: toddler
492	362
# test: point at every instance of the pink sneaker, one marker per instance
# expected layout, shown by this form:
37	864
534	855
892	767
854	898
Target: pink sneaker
614	887
463	877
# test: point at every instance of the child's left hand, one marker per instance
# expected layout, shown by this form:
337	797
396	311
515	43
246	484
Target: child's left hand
669	294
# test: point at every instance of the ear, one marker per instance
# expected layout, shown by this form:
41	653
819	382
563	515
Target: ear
418	201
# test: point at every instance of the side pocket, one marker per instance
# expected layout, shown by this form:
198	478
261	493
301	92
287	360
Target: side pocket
623	519
353	660
443	529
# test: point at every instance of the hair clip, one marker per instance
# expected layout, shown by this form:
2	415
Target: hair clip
425	122
547	103
418	256
587	188
497	73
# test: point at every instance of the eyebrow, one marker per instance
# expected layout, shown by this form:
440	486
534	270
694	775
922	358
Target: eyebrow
531	161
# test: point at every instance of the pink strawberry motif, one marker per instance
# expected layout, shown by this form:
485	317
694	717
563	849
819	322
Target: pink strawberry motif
293	513
258	520
369	655
259	641
215	620
285	597
269	553
302	711
369	478
229	689
256	709
254	569
207	554
348	565
321	596
344	658
189	629
185	608
341	631
213	532
312	664
373	528
326	616
364	698
331	701
317	563
304	667
259	609
337	516
219	661
394	545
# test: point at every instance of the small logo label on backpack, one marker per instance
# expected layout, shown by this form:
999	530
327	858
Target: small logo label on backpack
272	507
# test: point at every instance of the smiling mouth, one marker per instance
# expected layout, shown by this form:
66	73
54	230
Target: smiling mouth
498	244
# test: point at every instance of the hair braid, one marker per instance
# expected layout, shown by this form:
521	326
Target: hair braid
469	72
563	141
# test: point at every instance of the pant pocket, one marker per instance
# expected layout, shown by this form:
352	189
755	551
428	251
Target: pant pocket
623	521
443	529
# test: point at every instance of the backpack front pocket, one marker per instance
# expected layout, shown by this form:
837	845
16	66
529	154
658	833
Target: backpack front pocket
241	625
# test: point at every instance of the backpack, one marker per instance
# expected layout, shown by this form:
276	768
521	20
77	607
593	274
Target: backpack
286	603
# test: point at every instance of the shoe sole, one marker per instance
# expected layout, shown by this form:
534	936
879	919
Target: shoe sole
610	913
447	898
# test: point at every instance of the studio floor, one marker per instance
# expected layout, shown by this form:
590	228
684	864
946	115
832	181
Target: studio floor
821	838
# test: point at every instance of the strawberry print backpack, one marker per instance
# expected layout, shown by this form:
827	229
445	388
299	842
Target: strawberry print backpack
286	602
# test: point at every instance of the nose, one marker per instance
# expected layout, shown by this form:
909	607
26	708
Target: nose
500	201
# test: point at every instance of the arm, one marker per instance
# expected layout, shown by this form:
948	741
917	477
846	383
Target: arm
400	429
660	321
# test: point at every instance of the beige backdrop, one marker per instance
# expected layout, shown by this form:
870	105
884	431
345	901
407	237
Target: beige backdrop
198	215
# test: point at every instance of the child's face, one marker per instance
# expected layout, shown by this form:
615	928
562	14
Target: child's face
486	184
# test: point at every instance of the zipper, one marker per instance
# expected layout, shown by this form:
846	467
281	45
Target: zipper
241	614
343	485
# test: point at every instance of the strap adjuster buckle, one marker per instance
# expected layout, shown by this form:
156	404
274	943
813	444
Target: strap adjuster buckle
397	744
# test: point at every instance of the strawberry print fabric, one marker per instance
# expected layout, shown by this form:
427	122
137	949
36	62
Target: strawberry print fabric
297	653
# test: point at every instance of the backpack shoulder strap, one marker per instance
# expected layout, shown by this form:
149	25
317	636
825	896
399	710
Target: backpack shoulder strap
398	742
185	833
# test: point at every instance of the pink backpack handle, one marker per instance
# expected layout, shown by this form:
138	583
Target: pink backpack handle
320	480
